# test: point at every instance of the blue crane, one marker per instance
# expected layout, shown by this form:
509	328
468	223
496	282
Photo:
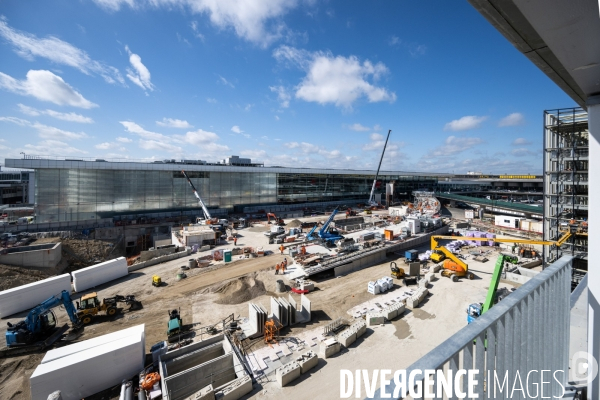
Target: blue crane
325	234
41	321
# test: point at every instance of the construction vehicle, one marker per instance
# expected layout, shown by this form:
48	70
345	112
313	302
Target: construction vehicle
350	213
455	268
40	324
219	224
328	236
175	324
276	219
91	306
156	281
399	273
475	310
371	202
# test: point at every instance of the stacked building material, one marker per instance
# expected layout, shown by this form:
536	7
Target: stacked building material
24	297
375	318
287	373
373	288
88	367
98	274
414	300
329	348
307	361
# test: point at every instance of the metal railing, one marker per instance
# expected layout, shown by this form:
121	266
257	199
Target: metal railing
527	331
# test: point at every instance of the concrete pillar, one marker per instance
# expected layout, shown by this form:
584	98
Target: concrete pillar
594	239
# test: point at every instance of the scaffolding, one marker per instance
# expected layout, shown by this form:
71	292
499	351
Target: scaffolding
566	163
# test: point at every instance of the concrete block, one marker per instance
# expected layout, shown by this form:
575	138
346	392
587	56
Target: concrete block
389	313
329	348
237	388
375	319
206	393
437	267
24	297
307	361
72	374
412	302
100	273
360	326
347	337
423	283
287	373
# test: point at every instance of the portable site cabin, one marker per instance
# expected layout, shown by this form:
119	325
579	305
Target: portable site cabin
508	221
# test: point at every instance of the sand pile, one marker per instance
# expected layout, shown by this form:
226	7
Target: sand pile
239	290
294	223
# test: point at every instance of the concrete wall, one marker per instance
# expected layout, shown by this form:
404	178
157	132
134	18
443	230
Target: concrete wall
150	254
40	256
217	372
110	233
98	274
200	356
24	297
159	260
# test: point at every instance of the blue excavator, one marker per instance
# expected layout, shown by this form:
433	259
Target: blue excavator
328	236
38	330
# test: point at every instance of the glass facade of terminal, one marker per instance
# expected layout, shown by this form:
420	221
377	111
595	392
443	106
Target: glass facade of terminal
82	194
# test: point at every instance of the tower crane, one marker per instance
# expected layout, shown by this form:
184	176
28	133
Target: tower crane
371	201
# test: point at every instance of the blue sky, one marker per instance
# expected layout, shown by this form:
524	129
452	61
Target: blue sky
286	82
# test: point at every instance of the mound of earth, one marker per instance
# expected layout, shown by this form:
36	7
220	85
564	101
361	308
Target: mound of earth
239	290
294	223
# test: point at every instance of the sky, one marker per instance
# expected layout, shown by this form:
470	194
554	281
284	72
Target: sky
293	83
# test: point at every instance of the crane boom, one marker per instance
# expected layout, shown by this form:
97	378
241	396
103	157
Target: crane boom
371	202
204	209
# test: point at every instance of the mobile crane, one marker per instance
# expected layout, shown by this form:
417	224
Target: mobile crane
329	236
37	330
208	219
371	201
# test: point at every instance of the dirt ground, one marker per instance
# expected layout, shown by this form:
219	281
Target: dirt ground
209	295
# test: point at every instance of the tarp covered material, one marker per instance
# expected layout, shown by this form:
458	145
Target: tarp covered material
86	372
90	343
24	297
98	274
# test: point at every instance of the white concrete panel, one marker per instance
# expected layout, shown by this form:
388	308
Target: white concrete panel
90	371
98	274
28	296
90	343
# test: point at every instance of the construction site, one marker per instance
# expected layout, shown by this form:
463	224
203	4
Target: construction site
249	305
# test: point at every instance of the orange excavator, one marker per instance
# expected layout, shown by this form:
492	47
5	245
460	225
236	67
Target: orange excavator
277	220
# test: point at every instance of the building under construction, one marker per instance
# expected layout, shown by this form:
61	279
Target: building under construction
566	161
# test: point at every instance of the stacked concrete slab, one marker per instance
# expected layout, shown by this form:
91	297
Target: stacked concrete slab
414	300
393	311
294	309
98	274
304	315
282	310
354	331
375	318
257	318
236	388
88	367
329	348
24	297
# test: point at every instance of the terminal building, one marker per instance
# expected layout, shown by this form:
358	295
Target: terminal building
77	189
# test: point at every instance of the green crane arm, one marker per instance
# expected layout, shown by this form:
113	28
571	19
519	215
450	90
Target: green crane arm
489	300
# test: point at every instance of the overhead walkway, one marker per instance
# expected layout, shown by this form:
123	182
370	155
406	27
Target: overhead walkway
518	209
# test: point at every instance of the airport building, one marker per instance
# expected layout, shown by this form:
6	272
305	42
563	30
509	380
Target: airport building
78	189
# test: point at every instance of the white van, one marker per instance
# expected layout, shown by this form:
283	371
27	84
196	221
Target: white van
25	220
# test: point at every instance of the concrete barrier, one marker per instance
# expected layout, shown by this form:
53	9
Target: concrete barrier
24	297
329	348
307	361
236	389
159	260
375	318
347	337
206	393
287	373
98	274
360	326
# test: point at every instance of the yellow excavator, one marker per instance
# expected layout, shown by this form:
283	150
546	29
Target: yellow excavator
455	268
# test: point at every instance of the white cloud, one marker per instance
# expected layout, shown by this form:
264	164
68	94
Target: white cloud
254	154
140	75
513	119
464	123
211	100
336	79
394	40
29	46
45	86
521	142
159	146
282	94
110	146
236	129
45	131
455	145
174	123
359	128
522	152
71	117
53	147
312	149
200	137
124	140
132	127
115	5
225	82
194	26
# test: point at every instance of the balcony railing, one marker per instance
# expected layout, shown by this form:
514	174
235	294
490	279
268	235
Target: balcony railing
527	331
